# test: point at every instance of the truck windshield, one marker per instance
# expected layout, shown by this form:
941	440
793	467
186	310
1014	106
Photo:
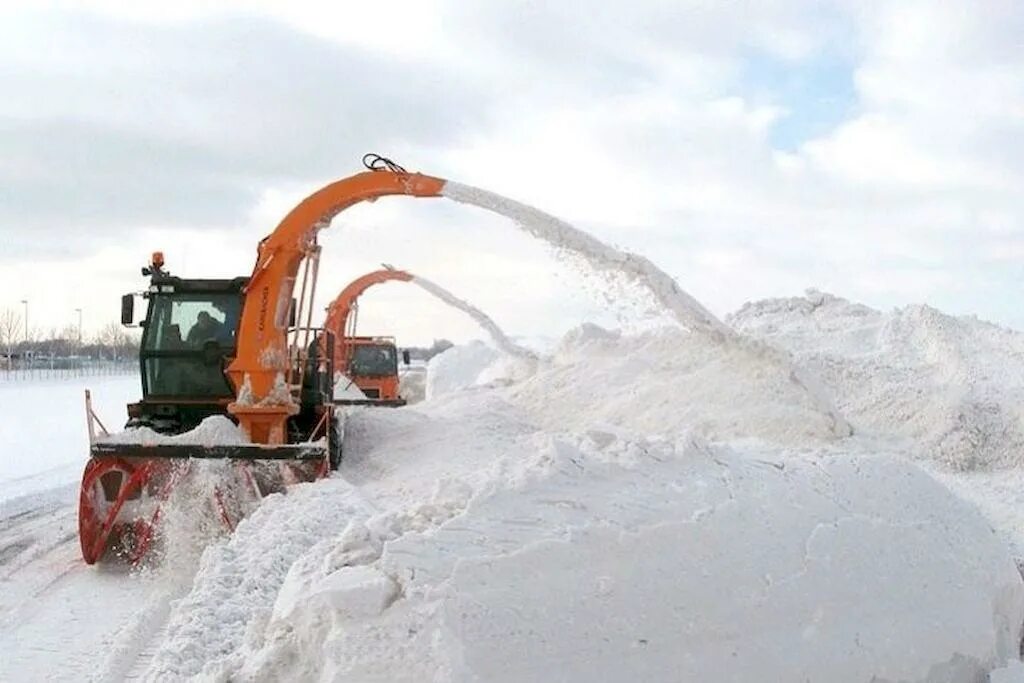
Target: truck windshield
373	360
190	321
187	338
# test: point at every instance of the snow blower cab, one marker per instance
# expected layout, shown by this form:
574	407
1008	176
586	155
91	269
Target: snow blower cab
188	335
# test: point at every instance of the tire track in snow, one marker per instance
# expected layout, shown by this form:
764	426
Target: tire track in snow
59	617
137	642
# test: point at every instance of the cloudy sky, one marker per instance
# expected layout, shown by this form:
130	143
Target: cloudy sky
751	149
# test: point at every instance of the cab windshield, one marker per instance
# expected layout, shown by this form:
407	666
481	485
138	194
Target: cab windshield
374	360
187	338
191	321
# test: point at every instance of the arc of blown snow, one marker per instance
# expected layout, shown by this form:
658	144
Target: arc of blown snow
500	339
685	309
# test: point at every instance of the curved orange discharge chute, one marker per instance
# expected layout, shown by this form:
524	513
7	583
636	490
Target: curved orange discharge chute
341	308
262	353
339	313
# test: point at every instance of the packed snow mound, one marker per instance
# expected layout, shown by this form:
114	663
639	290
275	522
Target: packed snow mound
667	380
954	385
457	368
215	430
412	384
610	557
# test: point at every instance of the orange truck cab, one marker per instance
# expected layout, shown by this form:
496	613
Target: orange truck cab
371	363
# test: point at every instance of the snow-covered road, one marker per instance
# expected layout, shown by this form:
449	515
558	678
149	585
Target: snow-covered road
59	619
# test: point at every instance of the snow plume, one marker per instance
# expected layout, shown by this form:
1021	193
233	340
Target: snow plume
499	338
603	258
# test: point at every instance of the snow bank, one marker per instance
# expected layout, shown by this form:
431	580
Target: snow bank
238	580
954	386
457	368
605	557
667	380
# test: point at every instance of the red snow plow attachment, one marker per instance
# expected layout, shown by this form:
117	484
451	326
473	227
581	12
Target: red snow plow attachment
126	485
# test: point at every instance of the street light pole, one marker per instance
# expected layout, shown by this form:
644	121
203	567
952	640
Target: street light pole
79	311
25	301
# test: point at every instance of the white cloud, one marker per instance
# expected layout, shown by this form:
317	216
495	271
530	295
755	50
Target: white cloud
636	124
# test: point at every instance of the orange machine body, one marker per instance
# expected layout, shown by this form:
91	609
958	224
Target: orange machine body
341	322
262	359
376	386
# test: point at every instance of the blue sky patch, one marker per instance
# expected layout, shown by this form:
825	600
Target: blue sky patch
818	94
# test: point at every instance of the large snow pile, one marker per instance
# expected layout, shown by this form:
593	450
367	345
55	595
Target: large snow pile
955	386
238	581
598	557
457	368
412	383
665	380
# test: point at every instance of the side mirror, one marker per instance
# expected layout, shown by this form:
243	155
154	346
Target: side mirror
405	356
127	309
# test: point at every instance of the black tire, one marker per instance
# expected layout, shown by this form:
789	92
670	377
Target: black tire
334	449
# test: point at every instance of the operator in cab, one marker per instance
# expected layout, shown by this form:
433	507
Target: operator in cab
206	328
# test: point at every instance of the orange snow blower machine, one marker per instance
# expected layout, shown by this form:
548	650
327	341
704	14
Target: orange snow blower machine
369	363
243	349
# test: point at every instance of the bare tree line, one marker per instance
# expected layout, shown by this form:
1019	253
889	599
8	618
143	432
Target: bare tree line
112	342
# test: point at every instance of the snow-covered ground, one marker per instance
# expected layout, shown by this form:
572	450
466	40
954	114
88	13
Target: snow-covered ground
671	505
43	438
61	620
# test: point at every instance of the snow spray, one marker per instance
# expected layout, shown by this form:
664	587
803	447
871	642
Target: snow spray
603	258
600	256
499	338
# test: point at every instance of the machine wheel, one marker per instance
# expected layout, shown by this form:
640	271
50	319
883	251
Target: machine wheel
334	451
106	485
